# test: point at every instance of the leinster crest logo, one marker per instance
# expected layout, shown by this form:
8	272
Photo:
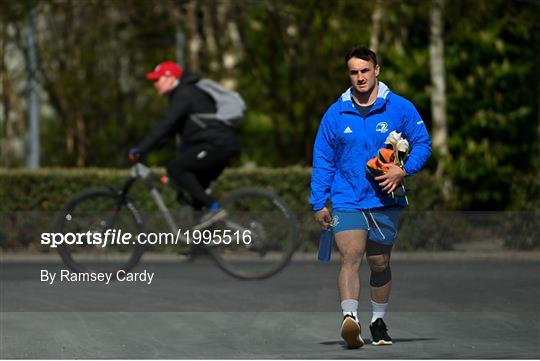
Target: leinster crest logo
382	127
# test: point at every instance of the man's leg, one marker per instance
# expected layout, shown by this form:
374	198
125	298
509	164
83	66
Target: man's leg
378	250
351	246
381	284
378	257
191	161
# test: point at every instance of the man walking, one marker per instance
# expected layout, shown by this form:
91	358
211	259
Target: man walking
365	214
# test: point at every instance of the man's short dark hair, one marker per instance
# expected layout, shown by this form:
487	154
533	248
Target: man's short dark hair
363	53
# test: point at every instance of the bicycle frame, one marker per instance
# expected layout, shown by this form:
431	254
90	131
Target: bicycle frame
236	214
145	174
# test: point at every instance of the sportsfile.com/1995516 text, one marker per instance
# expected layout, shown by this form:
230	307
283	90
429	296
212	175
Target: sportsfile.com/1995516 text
119	237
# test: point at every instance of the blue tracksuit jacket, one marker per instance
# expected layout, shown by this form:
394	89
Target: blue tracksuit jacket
346	141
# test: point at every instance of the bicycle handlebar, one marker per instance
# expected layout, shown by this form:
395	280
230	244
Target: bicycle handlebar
143	172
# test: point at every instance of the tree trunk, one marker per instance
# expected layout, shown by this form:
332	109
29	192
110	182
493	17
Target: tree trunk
6	134
438	93
213	38
82	139
376	19
13	123
70	140
193	38
233	54
537	54
274	43
222	39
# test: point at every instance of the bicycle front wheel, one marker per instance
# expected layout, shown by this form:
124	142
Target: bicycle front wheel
263	230
93	225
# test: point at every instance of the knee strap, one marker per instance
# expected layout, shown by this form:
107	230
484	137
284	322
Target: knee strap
379	279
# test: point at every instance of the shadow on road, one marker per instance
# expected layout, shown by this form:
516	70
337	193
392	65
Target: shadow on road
368	341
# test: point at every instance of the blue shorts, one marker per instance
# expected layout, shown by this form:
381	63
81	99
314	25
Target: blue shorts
381	223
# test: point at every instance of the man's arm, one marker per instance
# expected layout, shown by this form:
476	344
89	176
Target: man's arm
414	130
324	166
177	111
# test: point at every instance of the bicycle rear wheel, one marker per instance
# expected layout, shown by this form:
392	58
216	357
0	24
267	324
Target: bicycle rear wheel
100	213
264	234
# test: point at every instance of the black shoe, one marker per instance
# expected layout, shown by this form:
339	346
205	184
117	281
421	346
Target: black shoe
379	336
350	331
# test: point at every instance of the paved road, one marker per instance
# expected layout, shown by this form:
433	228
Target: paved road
440	308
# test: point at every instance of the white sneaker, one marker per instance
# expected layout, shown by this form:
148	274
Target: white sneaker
350	331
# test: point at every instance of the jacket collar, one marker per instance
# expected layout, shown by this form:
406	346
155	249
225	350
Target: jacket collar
382	97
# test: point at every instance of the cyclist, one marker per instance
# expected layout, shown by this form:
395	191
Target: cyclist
207	147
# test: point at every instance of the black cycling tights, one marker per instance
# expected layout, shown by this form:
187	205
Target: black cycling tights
195	167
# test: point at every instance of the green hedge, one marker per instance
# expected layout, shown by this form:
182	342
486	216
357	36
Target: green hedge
25	192
524	222
49	189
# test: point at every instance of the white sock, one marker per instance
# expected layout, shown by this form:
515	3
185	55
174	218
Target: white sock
350	307
352	313
379	310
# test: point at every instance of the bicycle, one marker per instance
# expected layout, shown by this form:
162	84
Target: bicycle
272	228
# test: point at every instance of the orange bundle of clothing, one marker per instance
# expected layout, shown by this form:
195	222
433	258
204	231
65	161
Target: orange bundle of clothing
395	152
375	166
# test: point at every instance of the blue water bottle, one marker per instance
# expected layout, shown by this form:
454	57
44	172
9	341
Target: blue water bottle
325	245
